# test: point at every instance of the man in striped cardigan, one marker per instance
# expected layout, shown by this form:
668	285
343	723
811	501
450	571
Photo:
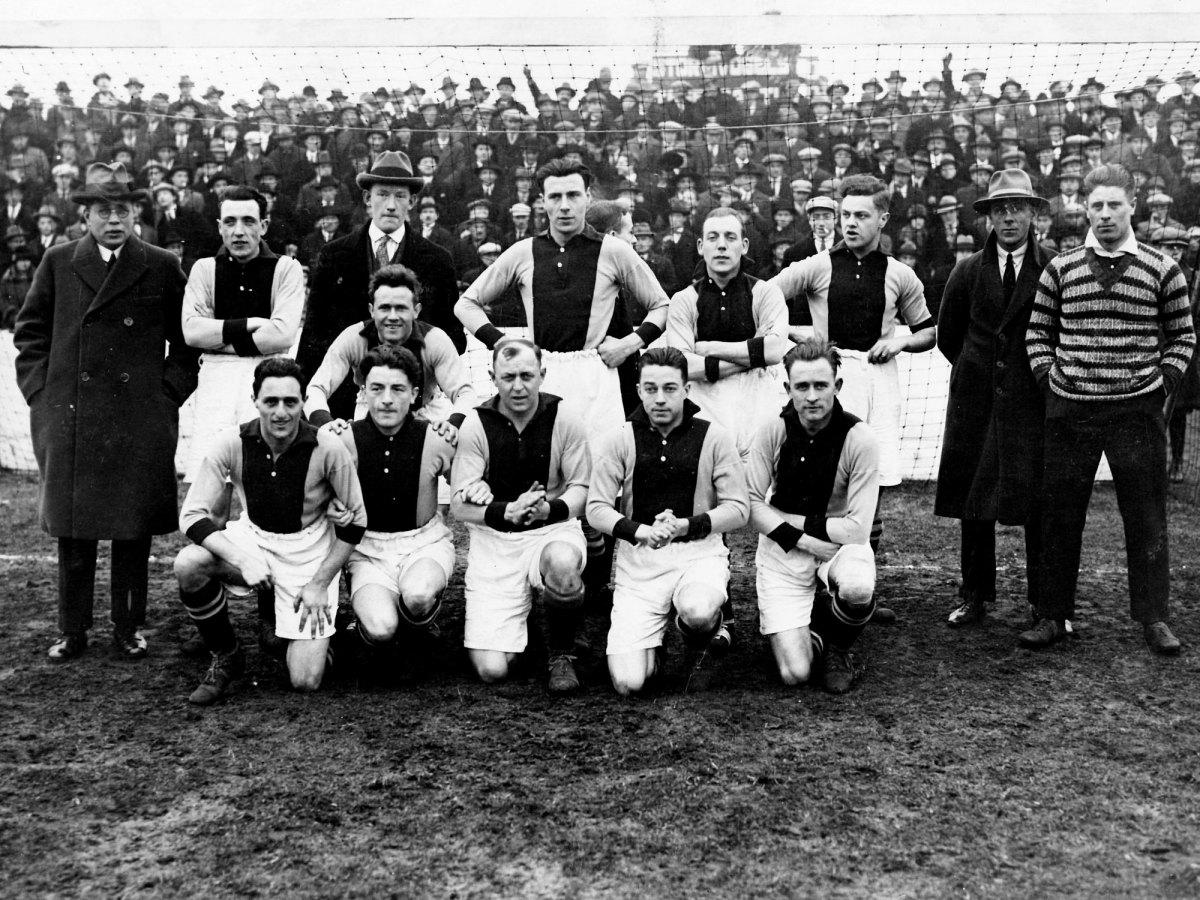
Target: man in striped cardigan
1109	338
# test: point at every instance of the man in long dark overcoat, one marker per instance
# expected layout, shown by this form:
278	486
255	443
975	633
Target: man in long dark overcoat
103	365
991	461
338	287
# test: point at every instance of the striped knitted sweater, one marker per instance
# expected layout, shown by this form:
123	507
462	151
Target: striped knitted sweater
1110	328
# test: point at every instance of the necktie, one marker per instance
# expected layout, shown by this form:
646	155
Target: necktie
381	251
112	261
1010	279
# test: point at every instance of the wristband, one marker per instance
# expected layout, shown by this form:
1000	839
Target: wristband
559	512
626	530
756	348
698	527
712	369
786	536
648	332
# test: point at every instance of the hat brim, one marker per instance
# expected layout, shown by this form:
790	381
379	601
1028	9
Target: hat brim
365	180
89	195
983	205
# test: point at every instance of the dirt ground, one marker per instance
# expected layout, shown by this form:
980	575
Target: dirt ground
960	766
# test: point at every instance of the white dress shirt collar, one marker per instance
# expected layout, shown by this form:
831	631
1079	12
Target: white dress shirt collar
1129	245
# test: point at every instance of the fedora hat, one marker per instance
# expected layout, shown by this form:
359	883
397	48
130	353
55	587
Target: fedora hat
1008	184
948	203
107	182
392	167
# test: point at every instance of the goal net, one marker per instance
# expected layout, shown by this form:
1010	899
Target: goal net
672	128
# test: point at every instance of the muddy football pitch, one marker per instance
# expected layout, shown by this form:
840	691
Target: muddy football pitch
961	765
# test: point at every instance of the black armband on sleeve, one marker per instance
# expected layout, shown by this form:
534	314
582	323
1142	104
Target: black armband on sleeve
320	417
698	527
922	325
756	347
712	369
351	534
559	512
626	530
816	526
648	332
489	335
456	419
200	531
786	536
234	333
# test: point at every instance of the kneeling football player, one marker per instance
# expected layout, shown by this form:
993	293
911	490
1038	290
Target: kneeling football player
285	473
401	566
813	477
681	484
520	484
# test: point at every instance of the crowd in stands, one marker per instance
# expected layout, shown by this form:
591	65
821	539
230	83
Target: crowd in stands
671	150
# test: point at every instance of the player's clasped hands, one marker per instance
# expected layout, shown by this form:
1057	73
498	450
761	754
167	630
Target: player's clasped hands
313	606
530	507
336	426
662	532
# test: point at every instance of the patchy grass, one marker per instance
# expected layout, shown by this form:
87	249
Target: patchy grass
960	765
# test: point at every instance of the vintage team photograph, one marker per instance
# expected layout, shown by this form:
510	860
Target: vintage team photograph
626	450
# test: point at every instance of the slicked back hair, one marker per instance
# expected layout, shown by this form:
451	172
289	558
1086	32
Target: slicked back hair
242	192
866	186
605	215
672	357
812	349
400	358
395	275
723	212
1111	175
560	168
277	367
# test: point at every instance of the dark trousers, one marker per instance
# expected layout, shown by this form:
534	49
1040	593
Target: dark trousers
1133	436
77	583
979	558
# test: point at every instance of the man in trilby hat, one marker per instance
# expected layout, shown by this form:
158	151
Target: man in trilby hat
103	400
992	451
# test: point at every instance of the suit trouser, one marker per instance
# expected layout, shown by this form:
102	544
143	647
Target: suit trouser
1133	436
77	583
979	558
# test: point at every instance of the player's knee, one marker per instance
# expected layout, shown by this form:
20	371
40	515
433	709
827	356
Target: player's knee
420	602
628	684
561	569
306	678
794	672
491	670
191	568
378	625
699	607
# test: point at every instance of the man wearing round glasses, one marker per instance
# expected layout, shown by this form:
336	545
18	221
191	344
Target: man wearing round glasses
992	452
103	404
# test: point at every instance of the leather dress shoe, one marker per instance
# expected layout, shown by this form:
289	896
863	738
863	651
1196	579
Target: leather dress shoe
1160	639
1043	634
68	646
970	612
129	644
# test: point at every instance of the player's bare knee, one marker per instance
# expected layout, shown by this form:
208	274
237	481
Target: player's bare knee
855	591
491	670
627	684
699	607
192	568
420	602
562	569
794	672
378	625
306	677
